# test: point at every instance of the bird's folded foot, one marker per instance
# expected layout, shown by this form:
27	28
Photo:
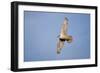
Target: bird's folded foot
69	40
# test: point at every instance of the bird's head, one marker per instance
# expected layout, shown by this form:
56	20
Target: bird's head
58	36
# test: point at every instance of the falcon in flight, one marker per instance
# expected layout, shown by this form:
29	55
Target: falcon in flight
63	36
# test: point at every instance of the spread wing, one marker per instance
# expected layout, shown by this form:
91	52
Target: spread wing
60	45
64	27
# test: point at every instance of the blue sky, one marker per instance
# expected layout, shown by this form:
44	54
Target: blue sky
40	36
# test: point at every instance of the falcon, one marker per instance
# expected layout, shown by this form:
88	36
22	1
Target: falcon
63	36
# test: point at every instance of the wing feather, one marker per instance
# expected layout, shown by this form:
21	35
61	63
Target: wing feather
64	27
60	45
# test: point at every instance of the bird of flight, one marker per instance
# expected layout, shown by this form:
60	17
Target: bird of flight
63	36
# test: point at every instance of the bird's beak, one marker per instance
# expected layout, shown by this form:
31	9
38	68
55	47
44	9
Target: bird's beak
58	36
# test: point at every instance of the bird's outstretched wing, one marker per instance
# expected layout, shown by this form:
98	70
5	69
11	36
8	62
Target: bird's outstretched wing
60	45
64	27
